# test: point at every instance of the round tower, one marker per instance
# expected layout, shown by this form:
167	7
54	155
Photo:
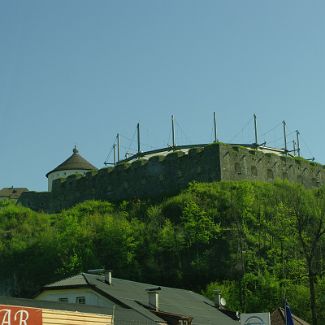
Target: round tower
74	165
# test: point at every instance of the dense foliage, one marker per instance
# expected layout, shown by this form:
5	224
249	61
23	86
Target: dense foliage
258	243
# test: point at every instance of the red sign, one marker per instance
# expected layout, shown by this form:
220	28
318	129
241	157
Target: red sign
19	315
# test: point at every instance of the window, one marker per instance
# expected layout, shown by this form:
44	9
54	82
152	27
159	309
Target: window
81	300
184	322
63	299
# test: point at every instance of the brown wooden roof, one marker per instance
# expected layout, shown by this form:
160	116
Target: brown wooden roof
75	161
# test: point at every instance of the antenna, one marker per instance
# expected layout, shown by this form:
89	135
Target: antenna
219	301
255	129
298	145
173	132
138	134
285	137
223	302
215	127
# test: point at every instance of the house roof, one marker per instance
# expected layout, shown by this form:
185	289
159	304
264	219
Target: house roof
278	318
12	192
75	161
122	315
133	295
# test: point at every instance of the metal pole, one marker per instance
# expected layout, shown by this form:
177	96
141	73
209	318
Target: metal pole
215	127
114	147
173	132
298	145
138	132
118	146
285	137
255	129
294	147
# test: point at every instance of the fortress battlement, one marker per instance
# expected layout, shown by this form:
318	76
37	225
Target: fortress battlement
163	173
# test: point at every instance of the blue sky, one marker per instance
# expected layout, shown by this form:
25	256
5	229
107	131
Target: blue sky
78	72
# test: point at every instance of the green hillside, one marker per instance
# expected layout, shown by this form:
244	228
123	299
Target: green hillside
257	242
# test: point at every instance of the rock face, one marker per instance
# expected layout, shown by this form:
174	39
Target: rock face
162	176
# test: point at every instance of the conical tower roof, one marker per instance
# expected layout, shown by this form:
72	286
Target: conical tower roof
74	162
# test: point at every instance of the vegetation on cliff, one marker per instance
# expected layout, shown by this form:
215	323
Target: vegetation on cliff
257	242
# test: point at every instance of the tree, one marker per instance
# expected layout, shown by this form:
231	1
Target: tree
308	210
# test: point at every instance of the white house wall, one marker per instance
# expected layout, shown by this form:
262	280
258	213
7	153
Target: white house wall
91	297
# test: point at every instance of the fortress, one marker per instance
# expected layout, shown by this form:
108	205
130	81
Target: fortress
165	172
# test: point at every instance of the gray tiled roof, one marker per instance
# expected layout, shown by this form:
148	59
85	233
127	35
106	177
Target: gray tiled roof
133	295
75	161
77	280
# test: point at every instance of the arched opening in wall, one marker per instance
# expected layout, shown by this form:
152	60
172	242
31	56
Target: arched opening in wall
285	175
237	168
253	171
269	174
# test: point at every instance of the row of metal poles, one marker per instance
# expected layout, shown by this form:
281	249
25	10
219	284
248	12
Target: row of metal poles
295	151
296	143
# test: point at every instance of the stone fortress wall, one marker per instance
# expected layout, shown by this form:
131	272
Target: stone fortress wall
163	176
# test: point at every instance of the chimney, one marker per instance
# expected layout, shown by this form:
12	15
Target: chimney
219	301
108	277
153	295
217	298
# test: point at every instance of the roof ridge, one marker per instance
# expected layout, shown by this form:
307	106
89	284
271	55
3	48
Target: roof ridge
68	278
83	274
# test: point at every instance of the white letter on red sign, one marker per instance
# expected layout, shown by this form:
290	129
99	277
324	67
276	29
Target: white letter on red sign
23	316
6	316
